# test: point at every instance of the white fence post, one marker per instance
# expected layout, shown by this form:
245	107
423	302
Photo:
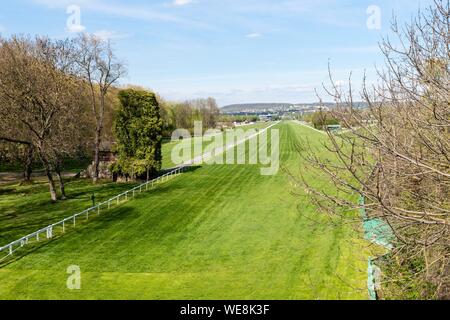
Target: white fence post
50	233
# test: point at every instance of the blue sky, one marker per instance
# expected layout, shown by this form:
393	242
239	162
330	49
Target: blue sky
234	50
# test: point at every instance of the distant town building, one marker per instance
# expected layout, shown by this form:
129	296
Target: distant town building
265	117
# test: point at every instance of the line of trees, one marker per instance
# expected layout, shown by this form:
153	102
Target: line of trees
321	119
182	115
47	88
230	119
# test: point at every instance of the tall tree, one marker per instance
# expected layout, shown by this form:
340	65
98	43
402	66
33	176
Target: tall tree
100	68
138	128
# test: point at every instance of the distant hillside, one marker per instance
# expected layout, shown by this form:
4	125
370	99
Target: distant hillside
280	107
255	107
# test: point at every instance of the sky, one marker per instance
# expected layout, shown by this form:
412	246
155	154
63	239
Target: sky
237	51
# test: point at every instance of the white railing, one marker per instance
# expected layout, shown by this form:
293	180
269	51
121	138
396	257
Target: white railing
50	231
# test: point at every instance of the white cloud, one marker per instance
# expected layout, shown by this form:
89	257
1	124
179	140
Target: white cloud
139	12
110	35
63	3
254	35
182	2
76	28
341	50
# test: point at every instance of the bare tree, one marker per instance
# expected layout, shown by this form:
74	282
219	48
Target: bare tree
38	95
396	154
99	67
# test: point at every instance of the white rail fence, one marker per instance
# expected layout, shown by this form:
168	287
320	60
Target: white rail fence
71	222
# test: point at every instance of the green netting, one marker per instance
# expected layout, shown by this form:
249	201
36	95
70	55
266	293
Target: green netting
376	230
379	232
371	281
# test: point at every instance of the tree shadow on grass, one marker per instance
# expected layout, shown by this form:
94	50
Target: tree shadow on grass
34	213
116	214
7	191
93	226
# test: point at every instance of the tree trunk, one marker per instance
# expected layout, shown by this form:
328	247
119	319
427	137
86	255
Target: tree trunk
96	155
28	170
61	182
48	173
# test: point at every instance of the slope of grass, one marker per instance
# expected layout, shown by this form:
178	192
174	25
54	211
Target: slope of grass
218	232
169	146
27	208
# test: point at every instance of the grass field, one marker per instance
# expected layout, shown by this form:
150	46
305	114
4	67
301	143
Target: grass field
217	232
167	147
25	208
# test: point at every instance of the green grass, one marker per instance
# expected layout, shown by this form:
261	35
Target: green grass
10	167
168	147
27	208
218	232
70	165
